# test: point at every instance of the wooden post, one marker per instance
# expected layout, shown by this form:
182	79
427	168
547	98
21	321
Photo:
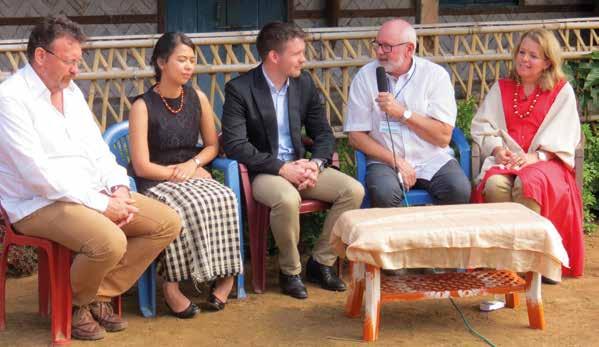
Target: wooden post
427	11
161	13
333	10
290	11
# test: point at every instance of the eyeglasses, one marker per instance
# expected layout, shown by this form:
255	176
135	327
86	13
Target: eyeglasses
70	63
387	48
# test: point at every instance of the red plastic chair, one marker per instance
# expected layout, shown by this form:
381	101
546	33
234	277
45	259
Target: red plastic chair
54	281
258	216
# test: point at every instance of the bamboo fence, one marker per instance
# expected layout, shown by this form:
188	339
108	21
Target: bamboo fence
475	54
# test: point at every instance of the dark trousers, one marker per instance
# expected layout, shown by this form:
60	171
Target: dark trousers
448	186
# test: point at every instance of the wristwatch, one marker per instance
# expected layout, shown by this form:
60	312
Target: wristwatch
320	163
542	155
405	116
197	161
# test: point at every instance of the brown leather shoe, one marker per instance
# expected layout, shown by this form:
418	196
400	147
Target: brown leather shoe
83	325
104	314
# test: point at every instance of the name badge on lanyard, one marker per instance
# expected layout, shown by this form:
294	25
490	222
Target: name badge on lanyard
394	127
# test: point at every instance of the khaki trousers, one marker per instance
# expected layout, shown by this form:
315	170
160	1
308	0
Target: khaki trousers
506	188
333	186
109	259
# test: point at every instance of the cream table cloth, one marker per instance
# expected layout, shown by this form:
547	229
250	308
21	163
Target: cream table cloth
501	235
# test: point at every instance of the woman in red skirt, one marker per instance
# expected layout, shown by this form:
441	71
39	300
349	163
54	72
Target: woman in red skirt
528	128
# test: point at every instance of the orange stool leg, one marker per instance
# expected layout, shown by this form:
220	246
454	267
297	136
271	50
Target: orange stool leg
3	268
353	305
372	308
43	282
512	300
61	295
534	303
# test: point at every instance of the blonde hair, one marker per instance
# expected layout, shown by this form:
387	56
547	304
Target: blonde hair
552	52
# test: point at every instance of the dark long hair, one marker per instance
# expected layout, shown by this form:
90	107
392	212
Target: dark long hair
165	46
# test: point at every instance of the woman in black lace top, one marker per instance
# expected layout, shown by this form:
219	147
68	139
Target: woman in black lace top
166	124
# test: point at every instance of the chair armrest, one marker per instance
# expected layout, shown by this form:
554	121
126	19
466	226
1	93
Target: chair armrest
132	185
476	160
460	142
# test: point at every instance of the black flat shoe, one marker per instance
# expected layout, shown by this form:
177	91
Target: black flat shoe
214	303
324	275
187	313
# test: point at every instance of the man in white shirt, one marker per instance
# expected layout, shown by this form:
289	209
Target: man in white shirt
59	180
414	139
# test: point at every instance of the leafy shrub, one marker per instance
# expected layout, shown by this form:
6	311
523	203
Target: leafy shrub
590	176
584	77
466	111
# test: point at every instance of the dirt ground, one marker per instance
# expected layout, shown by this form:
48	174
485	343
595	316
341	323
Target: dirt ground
571	311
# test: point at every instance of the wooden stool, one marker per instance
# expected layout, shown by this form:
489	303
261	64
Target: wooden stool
366	279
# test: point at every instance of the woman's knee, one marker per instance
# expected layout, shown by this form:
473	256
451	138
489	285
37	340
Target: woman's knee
498	188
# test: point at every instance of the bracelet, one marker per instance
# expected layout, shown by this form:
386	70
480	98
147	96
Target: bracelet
197	161
115	188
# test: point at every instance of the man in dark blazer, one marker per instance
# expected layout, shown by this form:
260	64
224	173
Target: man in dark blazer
263	116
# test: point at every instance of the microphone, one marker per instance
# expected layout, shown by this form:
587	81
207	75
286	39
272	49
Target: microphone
381	80
383	87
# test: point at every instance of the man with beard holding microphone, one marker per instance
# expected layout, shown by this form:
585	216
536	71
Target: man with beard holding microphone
405	131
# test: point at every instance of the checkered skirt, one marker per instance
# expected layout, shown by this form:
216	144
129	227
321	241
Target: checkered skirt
208	246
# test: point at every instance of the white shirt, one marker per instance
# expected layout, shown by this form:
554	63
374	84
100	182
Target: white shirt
425	89
279	99
46	156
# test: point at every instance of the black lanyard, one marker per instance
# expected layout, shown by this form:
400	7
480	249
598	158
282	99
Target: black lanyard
408	81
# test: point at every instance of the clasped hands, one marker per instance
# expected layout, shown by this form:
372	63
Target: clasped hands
189	169
121	208
302	173
513	160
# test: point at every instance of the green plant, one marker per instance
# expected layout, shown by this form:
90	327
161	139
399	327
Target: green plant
584	77
466	111
590	178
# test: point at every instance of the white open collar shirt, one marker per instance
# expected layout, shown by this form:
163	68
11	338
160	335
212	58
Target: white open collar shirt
46	156
425	89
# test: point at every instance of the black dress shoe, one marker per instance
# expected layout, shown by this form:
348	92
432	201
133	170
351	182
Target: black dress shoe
292	285
187	313
324	275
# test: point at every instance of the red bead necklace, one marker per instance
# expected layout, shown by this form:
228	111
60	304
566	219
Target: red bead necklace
168	107
516	99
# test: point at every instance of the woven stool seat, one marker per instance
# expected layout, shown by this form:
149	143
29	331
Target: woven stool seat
453	284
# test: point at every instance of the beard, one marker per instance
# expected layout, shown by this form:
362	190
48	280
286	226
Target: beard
391	66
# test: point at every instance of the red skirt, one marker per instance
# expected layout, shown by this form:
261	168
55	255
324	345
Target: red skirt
553	186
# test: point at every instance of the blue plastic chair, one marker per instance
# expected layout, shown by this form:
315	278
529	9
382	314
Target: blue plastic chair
117	138
419	196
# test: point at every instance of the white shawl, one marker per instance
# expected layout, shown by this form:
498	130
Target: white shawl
559	132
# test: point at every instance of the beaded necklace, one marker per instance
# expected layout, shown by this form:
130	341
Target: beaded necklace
168	107
516	99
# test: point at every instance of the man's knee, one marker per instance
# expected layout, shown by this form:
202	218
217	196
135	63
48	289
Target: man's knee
354	191
382	195
108	247
458	191
287	200
171	222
